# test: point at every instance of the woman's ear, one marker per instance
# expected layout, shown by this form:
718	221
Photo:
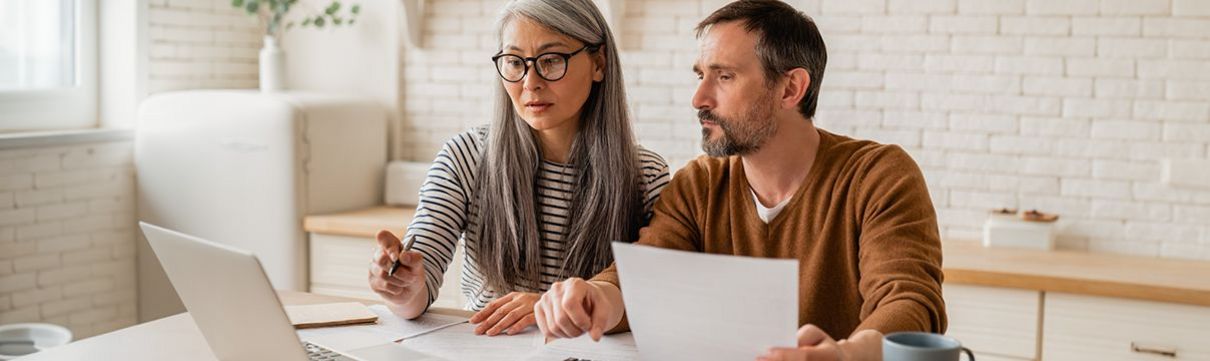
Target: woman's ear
598	68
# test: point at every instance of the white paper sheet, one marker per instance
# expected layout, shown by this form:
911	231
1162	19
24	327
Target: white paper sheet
611	347
460	342
390	328
429	322
696	306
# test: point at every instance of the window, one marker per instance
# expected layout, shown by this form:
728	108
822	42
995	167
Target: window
48	66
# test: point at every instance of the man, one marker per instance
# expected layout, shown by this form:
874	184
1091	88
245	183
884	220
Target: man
856	214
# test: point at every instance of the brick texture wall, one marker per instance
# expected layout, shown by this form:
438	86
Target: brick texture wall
1066	106
201	44
67	251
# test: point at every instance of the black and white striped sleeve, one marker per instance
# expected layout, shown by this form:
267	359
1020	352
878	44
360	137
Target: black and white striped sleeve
655	178
444	205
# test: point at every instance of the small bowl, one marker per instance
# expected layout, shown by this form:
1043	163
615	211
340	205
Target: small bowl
21	339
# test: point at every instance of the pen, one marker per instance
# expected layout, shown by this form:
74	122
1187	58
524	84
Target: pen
406	247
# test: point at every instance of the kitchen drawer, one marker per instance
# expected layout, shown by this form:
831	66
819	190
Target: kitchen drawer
340	266
992	321
1098	328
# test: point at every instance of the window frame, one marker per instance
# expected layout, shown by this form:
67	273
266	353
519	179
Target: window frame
72	107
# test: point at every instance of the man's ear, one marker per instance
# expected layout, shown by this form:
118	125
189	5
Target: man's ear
796	81
598	68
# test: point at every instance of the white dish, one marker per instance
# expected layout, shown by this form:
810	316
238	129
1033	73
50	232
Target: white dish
20	339
1012	231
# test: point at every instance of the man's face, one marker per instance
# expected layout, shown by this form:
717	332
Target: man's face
735	104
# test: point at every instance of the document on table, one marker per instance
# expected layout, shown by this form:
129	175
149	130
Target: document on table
460	342
390	328
427	323
611	347
697	306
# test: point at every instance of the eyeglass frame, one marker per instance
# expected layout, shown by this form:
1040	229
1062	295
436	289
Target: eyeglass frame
534	59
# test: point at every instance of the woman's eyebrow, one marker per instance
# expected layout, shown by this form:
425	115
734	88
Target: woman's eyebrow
540	48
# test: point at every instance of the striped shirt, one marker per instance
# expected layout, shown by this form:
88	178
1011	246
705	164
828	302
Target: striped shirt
446	213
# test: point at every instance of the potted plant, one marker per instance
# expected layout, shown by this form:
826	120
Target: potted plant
272	14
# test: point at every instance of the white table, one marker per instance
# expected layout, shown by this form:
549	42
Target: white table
176	337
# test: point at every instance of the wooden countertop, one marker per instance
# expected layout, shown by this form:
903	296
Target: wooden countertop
1097	274
1143	278
361	223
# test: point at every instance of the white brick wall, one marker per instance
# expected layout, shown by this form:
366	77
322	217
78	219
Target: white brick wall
1067	106
200	44
67	251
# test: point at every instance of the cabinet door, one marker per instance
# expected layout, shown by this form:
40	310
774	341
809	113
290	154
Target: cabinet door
340	265
992	321
1099	328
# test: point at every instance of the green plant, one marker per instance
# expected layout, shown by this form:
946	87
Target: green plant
273	12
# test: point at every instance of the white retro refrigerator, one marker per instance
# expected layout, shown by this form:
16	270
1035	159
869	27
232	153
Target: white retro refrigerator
243	168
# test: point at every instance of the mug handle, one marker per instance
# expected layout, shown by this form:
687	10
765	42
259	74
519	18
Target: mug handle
970	356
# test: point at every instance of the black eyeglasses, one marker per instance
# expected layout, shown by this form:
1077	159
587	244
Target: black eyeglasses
551	66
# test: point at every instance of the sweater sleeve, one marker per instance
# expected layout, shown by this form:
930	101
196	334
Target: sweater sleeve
441	215
899	253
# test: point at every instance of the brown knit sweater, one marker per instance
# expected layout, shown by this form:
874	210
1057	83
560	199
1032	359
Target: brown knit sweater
862	227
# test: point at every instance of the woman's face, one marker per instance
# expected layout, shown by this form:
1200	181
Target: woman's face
545	104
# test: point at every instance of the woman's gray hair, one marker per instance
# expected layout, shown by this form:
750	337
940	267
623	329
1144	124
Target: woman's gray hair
606	204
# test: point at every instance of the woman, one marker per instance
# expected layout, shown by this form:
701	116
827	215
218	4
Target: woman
538	196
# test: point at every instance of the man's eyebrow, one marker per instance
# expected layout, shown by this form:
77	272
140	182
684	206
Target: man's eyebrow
714	66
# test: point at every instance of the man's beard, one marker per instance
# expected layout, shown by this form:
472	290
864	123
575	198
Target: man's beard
740	136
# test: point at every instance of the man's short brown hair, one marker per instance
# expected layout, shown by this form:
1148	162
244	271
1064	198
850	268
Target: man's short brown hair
786	39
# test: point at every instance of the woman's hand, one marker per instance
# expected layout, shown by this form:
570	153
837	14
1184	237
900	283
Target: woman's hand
510	314
404	291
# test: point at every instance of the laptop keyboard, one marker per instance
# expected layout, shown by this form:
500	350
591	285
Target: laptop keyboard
319	353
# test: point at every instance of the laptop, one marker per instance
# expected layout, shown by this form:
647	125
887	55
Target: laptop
234	305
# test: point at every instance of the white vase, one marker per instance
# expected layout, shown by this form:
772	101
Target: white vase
272	66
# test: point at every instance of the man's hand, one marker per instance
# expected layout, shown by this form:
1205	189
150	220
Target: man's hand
510	314
575	306
816	345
